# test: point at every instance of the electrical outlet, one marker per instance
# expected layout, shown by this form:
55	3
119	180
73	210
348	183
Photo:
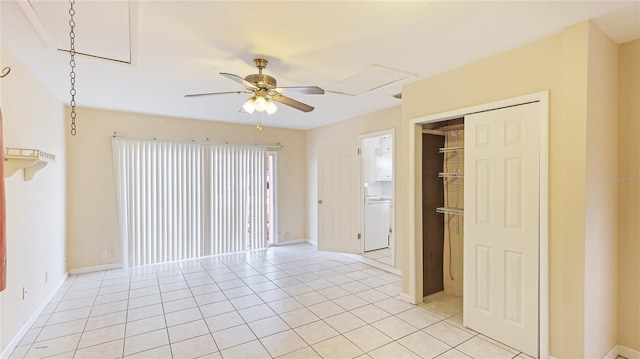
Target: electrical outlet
103	253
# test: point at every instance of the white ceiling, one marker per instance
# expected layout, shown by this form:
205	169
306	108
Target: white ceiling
166	49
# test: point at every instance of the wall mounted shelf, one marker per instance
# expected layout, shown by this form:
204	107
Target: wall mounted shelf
30	160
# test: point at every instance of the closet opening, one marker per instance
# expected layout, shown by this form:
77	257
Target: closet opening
443	207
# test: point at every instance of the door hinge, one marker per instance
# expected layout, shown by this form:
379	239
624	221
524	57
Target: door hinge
358	151
359	236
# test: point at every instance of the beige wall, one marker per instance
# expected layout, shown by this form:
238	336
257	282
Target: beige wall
561	65
567	199
92	212
347	132
33	118
601	245
528	69
629	194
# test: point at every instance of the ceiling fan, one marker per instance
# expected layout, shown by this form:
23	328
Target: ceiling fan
265	93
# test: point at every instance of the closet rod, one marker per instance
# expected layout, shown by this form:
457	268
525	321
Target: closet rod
433	132
451	128
271	147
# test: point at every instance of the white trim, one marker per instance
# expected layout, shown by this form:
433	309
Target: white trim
274	197
99	268
627	352
313	242
415	246
612	354
543	228
291	241
13	343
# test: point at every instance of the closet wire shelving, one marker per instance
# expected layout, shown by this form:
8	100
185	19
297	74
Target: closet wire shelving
455	177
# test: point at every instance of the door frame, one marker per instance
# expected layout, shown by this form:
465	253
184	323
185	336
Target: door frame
274	196
415	202
391	132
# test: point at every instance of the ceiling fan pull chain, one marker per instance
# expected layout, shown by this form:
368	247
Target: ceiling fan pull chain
72	63
259	125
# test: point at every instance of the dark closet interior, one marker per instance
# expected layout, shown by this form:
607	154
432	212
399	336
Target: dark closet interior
442	206
432	222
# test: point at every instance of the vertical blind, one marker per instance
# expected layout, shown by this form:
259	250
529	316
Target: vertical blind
180	200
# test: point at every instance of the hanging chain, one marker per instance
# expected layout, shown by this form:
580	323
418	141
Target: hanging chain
259	124
72	63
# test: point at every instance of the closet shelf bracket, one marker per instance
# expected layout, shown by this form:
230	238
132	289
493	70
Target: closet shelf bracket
30	160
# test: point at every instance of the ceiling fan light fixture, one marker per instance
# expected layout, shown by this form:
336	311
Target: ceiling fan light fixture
264	92
271	107
261	103
250	105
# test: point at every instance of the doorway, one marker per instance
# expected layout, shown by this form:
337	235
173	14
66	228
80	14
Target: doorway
486	178
376	202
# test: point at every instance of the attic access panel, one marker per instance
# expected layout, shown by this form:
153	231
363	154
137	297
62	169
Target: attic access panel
371	78
103	28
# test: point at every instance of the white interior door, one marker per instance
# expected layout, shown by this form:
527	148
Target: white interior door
501	245
338	168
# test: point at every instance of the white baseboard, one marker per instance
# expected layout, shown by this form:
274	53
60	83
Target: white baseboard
627	352
27	325
612	354
95	268
618	350
313	242
291	241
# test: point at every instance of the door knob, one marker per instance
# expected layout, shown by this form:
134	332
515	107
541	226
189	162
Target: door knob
320	201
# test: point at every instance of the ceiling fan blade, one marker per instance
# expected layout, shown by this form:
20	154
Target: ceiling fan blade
240	80
217	93
293	103
307	90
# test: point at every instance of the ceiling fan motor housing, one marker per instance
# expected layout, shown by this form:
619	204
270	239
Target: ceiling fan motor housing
264	82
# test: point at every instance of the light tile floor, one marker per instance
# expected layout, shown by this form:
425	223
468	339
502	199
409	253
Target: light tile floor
381	255
281	302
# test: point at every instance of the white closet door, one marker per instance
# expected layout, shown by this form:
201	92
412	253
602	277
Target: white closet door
501	245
